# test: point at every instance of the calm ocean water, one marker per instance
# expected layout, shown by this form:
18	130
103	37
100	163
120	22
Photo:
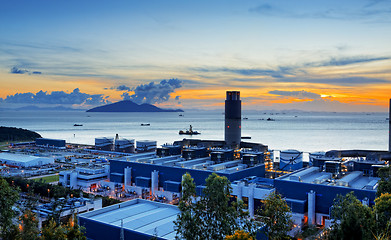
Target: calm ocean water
302	131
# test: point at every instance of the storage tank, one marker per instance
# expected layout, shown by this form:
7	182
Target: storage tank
146	146
103	143
124	145
291	160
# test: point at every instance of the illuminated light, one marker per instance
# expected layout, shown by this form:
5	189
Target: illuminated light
227	126
240	126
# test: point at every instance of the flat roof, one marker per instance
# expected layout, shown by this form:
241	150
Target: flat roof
314	176
139	215
19	157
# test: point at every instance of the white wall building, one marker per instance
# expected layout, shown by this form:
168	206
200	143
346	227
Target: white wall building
21	160
85	177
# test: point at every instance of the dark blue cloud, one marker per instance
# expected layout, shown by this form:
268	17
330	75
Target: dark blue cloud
122	88
263	8
153	93
16	70
377	10
297	94
277	73
298	73
126	96
56	97
347	81
349	61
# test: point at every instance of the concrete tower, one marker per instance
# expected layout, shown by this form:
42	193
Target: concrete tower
233	119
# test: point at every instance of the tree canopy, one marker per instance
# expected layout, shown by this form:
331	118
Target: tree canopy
27	220
212	215
8	198
239	235
382	210
276	214
352	219
385	180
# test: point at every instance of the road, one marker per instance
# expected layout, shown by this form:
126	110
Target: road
41	176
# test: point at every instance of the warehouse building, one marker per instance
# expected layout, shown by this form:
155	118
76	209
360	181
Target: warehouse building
310	192
24	161
51	143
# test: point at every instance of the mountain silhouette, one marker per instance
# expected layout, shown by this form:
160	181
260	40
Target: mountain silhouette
129	106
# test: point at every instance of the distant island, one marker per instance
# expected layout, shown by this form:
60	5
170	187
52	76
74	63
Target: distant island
17	134
129	106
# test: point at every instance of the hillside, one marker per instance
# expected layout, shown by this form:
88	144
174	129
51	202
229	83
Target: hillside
17	134
129	106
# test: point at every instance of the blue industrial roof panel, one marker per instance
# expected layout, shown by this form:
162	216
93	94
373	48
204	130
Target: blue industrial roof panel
137	216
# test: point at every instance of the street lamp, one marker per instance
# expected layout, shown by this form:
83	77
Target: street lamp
48	193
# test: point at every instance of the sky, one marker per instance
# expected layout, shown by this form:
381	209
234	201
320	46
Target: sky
281	54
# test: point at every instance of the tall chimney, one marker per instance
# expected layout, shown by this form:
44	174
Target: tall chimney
389	128
233	119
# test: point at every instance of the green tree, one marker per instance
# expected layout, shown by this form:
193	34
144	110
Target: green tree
382	210
276	214
210	216
29	226
52	231
28	219
352	219
73	230
188	221
55	231
8	197
385	180
239	235
218	215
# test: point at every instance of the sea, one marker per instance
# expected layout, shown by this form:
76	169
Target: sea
303	131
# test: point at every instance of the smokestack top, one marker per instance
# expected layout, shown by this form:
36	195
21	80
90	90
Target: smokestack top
233	95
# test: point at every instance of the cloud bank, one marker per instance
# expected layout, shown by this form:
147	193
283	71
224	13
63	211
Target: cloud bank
16	70
56	97
152	93
297	94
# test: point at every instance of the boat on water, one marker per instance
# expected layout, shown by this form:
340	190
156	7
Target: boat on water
270	119
145	124
189	132
245	137
181	115
77	125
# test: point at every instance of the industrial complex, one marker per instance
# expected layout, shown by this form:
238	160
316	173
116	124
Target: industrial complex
147	171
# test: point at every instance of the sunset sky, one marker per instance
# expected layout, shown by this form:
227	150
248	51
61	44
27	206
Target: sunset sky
307	55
